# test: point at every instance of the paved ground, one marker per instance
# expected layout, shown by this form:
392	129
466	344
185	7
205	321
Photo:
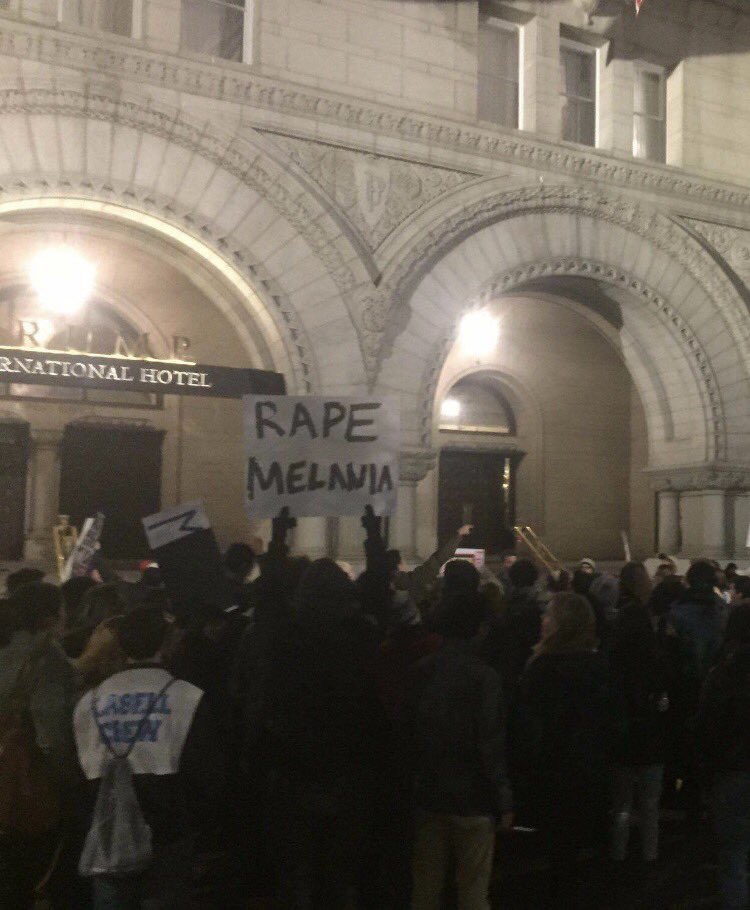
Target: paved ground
683	879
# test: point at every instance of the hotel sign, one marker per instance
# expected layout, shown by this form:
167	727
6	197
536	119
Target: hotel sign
102	371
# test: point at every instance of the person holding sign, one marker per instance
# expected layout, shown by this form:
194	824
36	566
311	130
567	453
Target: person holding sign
320	456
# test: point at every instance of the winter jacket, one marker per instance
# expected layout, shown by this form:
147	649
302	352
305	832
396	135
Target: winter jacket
512	636
697	618
566	719
723	722
420	579
176	763
639	670
396	664
320	714
459	734
49	682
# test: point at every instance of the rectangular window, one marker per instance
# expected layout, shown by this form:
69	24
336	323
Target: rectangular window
578	90
650	113
119	17
116	16
213	27
499	83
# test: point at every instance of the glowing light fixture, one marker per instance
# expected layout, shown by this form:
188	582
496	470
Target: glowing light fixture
62	279
451	407
478	333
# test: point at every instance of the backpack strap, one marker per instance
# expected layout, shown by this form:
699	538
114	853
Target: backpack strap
153	701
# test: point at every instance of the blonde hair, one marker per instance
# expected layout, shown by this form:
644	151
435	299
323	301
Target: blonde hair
575	625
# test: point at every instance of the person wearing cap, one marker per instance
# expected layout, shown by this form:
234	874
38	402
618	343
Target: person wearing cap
461	787
587	565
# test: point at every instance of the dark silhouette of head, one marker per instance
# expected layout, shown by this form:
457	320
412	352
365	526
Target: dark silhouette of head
460	577
523	573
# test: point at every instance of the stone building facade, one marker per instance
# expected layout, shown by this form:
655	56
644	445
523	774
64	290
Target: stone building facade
325	187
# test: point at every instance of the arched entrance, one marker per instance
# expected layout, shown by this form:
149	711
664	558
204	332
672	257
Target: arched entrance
661	308
128	453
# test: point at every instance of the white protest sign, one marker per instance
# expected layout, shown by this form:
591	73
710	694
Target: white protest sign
175	523
320	455
83	552
473	555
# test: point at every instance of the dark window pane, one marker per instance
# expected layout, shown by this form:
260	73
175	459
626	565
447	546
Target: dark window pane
212	28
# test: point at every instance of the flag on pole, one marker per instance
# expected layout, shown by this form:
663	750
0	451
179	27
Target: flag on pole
638	5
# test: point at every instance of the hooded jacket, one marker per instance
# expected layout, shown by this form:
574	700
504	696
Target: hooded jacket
723	723
697	618
459	734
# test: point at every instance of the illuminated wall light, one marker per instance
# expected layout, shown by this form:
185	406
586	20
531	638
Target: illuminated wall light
451	407
62	279
478	333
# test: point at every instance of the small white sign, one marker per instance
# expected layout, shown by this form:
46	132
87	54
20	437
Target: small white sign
175	523
472	555
320	455
83	552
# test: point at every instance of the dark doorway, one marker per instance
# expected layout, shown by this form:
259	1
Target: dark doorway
114	469
477	488
14	457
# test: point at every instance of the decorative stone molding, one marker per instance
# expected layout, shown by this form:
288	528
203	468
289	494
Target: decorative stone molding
715	476
415	466
584	268
116	58
651	225
298	346
230	152
374	192
732	243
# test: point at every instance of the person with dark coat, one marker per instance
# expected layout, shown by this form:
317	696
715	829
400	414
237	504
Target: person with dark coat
637	665
461	785
514	632
697	618
567	716
581	583
418	581
239	561
397	661
324	732
36	677
723	746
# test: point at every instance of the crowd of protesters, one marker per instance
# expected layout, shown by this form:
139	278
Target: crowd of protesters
312	741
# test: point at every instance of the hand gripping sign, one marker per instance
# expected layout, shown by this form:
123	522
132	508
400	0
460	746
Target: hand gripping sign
320	455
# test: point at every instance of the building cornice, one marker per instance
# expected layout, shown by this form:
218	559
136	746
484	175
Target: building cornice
304	109
716	476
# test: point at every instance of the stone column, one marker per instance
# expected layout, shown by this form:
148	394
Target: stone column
741	525
714	524
351	535
44	495
403	534
413	467
311	538
669	522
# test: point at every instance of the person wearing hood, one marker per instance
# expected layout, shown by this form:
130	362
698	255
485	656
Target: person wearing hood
566	719
37	680
461	786
723	741
697	618
324	731
514	632
639	668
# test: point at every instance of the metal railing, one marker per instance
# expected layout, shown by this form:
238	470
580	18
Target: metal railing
538	548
